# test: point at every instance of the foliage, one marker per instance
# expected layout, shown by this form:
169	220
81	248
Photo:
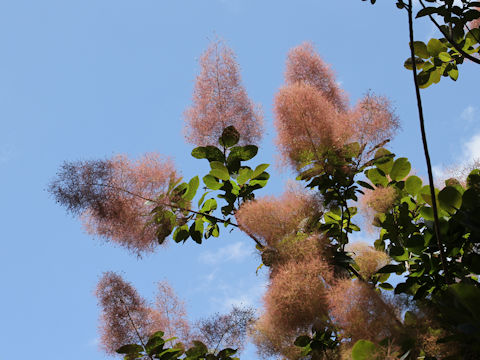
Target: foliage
461	39
156	348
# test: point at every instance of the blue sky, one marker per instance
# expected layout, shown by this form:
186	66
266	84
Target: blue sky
92	78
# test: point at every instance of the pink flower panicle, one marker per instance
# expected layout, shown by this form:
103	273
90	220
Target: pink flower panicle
173	310
307	124
306	66
374	120
296	297
220	331
360	312
379	200
270	219
220	100
312	116
115	197
368	259
126	318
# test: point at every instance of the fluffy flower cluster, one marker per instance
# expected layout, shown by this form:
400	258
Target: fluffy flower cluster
312	114
361	312
220	100
379	200
115	197
272	218
126	317
368	259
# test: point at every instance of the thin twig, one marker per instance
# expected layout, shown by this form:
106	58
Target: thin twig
425	146
223	221
135	328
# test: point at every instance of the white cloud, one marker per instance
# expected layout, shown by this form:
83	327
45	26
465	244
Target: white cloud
469	113
471	149
234	252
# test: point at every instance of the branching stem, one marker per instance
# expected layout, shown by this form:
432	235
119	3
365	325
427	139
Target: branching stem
425	146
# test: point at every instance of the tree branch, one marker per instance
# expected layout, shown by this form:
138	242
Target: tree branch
425	146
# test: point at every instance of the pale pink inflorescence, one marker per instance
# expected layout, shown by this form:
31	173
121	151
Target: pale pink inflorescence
272	218
379	200
173	310
125	216
312	115
307	123
296	296
374	120
306	66
368	259
360	312
126	317
220	100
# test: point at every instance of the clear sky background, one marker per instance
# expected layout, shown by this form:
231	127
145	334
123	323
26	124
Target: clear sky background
87	79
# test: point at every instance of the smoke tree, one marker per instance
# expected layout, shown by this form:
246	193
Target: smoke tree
327	298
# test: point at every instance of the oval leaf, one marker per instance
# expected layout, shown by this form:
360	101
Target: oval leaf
211	182
258	170
450	199
192	188
401	168
364	350
129	349
413	185
377	177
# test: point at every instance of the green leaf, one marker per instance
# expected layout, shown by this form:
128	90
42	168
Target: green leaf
384	160
180	234
421	49
242	153
129	349
413	184
409	63
197	350
219	170
200	202
259	170
453	73
211	182
209	205
401	168
426	195
244	175
302	341
410	319
208	152
388	269
426	11
230	137
226	353
196	231
377	177
445	56
426	212
450	199
386	286
364	350
435	47
192	189
365	185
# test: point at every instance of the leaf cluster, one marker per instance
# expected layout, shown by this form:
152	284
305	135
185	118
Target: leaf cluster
156	348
